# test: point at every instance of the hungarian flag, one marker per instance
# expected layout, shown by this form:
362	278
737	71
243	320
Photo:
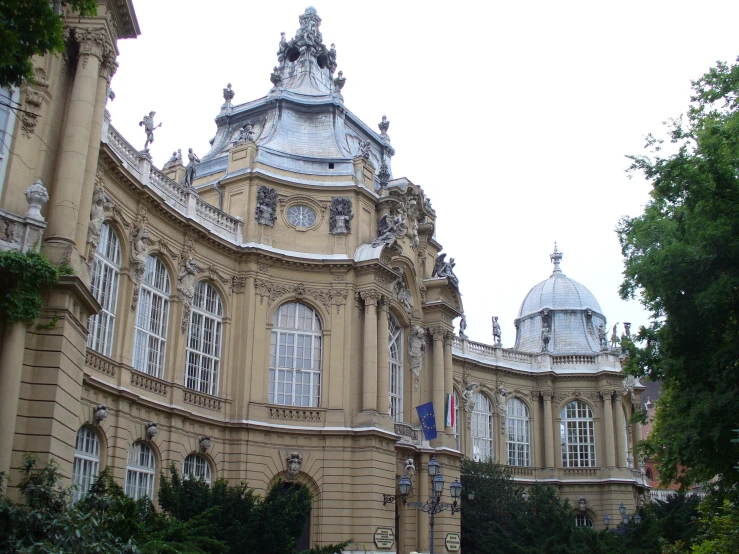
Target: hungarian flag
451	412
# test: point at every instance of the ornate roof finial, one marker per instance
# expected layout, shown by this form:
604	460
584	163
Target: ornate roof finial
384	125
555	258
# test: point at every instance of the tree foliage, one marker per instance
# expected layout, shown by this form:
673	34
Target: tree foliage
681	259
32	27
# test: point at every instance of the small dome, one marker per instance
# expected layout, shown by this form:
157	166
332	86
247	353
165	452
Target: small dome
570	311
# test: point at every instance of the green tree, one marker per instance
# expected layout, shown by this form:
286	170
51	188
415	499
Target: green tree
32	27
681	259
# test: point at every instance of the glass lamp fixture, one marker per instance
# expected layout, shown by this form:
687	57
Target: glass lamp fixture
405	487
607	520
433	467
455	489
438	485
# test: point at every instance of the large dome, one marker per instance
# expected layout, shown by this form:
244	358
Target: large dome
570	311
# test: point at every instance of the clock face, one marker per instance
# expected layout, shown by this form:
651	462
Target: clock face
301	215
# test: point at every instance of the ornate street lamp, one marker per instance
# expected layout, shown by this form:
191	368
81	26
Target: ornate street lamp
622	528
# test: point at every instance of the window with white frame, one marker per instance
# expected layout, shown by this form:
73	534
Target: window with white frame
204	342
577	433
518	434
482	428
583	521
140	471
395	367
295	356
86	462
104	278
151	321
196	467
457	424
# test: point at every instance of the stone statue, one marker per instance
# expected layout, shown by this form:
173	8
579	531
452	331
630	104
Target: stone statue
602	337
614	336
139	238
175	159
384	125
282	49
390	228
410	468
497	332
365	149
416	351
186	288
228	95
403	295
468	397
100	201
442	269
463	327
147	123
266	210
293	466
340	216
340	81
625	338
546	336
275	77
500	395
190	171
331	63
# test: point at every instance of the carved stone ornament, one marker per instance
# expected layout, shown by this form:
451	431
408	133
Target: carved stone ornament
99	413
92	42
151	431
384	125
293	466
546	336
391	227
186	288
416	352
175	159
500	396
403	295
468	400
147	122
410	468
442	269
266	210
238	284
340	216
36	196
137	257
628	384
272	291
100	202
365	149
582	504
228	95
383	174
204	443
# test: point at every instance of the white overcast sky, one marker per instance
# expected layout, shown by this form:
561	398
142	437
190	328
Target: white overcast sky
514	117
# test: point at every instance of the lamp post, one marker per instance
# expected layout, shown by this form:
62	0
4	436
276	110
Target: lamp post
622	528
433	505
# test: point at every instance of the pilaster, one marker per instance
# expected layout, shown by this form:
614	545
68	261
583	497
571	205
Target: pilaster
608	428
369	358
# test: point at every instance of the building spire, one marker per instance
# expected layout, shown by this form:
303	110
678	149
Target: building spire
555	258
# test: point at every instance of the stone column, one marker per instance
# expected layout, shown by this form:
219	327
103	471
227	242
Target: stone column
448	380
438	377
369	360
620	438
383	358
107	70
548	429
74	145
11	369
608	425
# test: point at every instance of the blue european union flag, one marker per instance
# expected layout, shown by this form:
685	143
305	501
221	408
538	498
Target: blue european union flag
428	420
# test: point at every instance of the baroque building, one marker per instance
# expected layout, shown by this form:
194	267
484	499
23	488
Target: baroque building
277	309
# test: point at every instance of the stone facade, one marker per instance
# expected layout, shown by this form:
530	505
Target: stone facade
189	354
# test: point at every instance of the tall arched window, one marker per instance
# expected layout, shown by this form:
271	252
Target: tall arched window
395	379
86	461
295	356
518	435
577	431
104	276
204	343
196	467
140	471
482	428
457	423
151	320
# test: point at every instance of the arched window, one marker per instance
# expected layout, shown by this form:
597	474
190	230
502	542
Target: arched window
140	471
295	356
457	424
482	428
518	435
104	276
196	467
577	432
395	379
583	521
204	343
86	461
151	321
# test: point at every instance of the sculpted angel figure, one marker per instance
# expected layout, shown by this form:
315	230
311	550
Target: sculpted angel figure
442	269
147	122
403	295
390	229
416	349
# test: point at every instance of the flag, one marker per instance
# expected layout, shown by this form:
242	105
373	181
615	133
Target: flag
451	412
428	420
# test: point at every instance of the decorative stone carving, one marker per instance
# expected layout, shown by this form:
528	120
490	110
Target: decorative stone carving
99	413
500	396
628	384
176	159
614	337
339	81
365	149
625	338
190	171
416	352
410	468
147	122
28	123
204	443
272	291
238	284
228	95
384	125
582	504
390	228
245	134
403	295
331	59
282	48
468	400
340	216
100	202
463	327
92	42
442	269
293	466
186	288
602	337
36	196
151	431
266	210
137	258
497	332
546	336
383	174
